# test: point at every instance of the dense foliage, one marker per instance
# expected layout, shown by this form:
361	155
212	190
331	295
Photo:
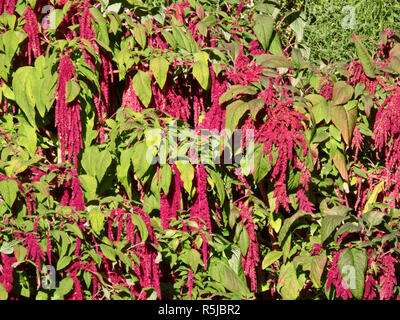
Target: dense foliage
107	113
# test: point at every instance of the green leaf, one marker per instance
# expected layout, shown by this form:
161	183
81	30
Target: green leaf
142	86
187	174
373	197
340	163
288	285
193	259
317	268
234	112
288	223
90	160
63	262
347	227
202	28
108	251
3	292
329	223
202	73
234	213
274	61
224	274
352	265
101	22
89	185
165	178
140	163
244	241
255	106
20	252
27	138
365	58
125	259
159	66
72	90
169	38
103	162
395	63
96	220
41	295
74	229
320	108
139	223
8	247
263	29
235	90
8	191
262	164
139	32
219	184
373	218
65	286
341	93
275	46
184	39
23	83
270	258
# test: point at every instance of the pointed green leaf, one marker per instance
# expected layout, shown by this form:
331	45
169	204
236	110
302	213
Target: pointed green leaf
139	223
23	82
142	86
72	90
64	287
345	121
244	241
96	220
202	73
8	191
108	252
255	106
288	223
101	22
63	262
365	58
103	161
261	163
165	178
263	28
193	259
159	66
339	161
317	268
274	61
342	93
330	223
270	258
352	266
234	112
139	32
187	174
235	90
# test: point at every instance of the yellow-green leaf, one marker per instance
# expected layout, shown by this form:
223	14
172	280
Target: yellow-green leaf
139	32
159	66
263	28
345	121
374	195
8	191
96	220
270	258
202	73
365	58
142	86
